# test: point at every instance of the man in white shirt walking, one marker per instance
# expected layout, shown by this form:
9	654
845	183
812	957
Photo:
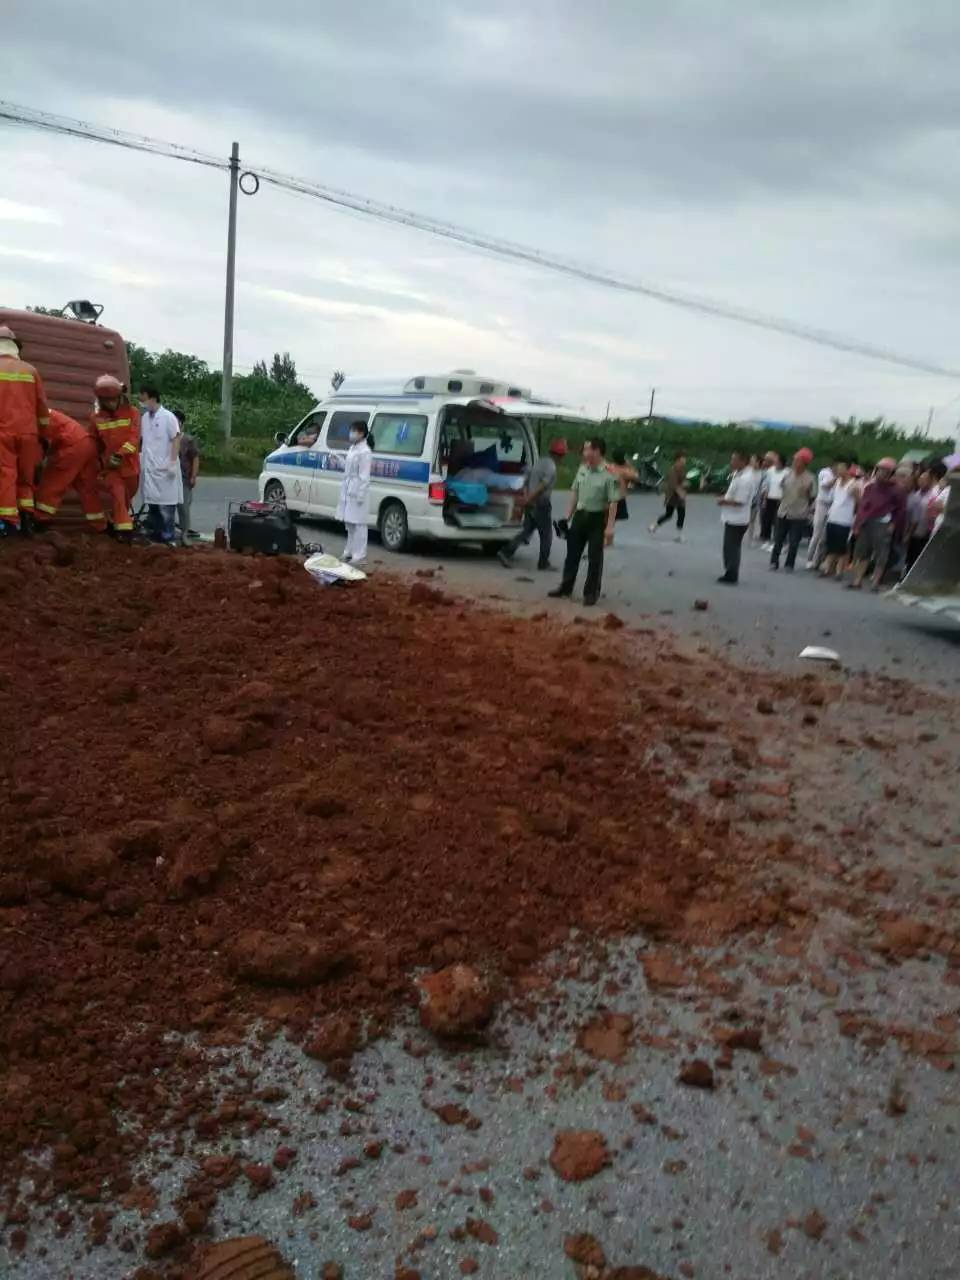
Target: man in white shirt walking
735	515
161	485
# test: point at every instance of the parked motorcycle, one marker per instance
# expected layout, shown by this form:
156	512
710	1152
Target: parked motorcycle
698	474
705	477
649	472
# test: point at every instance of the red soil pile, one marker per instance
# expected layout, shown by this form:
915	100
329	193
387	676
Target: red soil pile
229	794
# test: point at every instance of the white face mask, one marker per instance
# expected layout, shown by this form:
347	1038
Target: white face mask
355	436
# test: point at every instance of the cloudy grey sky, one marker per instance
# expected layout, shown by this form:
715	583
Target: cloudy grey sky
794	159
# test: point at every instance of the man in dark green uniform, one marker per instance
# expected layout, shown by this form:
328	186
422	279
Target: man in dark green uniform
591	518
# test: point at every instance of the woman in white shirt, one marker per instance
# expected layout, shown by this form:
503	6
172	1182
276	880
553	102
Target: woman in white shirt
938	496
773	478
817	546
840	518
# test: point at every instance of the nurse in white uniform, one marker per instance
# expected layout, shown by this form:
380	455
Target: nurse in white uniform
353	505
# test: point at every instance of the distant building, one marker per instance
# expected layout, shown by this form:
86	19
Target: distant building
772	424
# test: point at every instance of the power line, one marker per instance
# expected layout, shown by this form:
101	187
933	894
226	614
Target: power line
500	248
521	253
48	123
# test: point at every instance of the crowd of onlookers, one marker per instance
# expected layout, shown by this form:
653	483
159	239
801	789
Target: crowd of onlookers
858	521
863	522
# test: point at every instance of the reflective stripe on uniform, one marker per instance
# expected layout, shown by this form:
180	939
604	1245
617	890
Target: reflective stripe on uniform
42	506
116	422
25	504
16	377
123	527
129	446
7	512
43	422
95	515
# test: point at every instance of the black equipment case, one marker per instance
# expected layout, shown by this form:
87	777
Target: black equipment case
263	527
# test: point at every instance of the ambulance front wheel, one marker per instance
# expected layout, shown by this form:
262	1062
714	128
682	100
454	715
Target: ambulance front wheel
273	491
394	530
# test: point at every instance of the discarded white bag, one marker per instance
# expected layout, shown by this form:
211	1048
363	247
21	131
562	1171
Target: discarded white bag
327	570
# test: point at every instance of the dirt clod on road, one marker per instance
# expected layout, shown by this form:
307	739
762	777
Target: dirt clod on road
579	1154
455	1001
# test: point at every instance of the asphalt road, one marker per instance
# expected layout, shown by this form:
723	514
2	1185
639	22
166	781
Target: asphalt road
768	618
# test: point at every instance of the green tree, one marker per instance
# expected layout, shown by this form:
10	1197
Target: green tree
866	428
283	370
179	371
142	366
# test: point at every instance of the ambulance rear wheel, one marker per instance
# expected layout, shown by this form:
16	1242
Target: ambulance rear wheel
394	530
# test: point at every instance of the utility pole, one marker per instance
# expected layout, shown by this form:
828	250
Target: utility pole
930	419
226	391
606	416
653	396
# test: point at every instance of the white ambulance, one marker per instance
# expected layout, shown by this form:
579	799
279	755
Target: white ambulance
450	455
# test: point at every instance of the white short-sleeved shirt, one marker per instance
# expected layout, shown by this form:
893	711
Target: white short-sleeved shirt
941	493
843	503
775	479
826	483
740	489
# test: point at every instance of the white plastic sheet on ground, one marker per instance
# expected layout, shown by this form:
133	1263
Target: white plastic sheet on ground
328	569
819	653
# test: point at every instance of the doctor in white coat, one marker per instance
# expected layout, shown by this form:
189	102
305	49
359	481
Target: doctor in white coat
353	506
161	485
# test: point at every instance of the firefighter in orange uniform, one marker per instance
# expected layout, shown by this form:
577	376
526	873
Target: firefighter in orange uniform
117	425
72	462
23	414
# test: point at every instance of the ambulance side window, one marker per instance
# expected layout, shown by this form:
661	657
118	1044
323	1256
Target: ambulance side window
308	432
338	432
402	433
